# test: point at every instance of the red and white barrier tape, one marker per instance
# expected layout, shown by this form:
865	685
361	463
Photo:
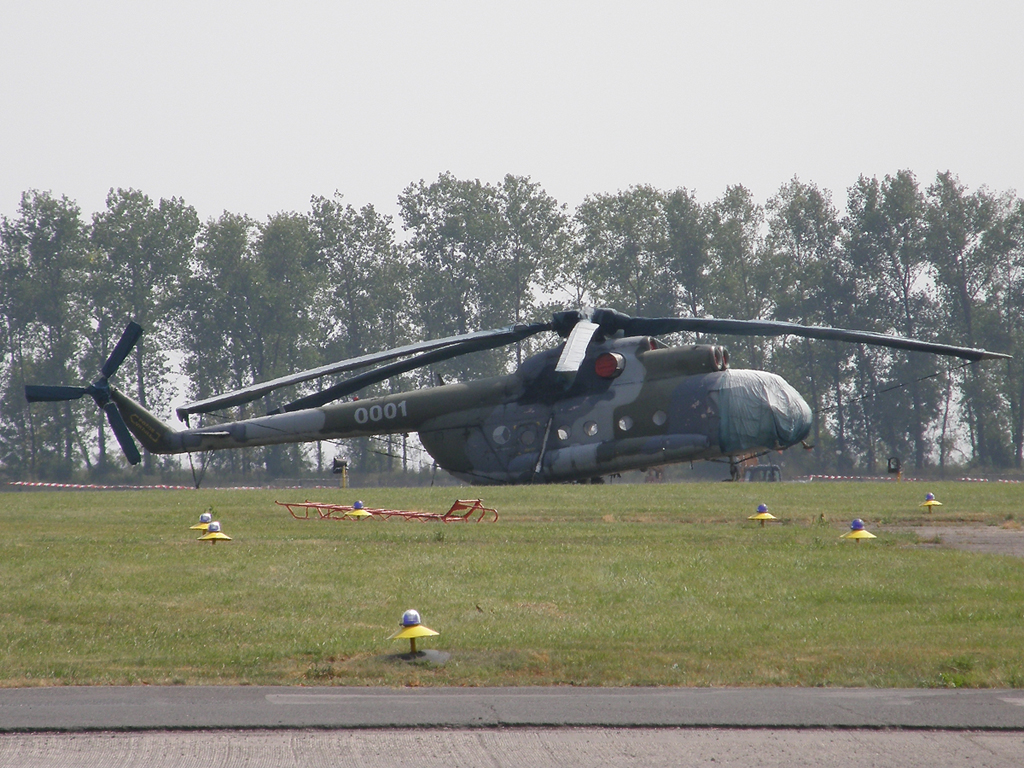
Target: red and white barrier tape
908	479
92	487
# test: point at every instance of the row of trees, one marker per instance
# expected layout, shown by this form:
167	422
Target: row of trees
234	300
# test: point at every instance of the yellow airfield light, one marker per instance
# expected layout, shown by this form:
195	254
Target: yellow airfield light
858	535
930	501
857	532
762	515
357	511
213	534
204	521
411	633
412	629
214	537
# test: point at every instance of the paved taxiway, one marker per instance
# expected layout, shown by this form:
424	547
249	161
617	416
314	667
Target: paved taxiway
264	726
212	707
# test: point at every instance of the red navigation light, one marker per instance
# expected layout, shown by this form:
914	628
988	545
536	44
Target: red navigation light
609	365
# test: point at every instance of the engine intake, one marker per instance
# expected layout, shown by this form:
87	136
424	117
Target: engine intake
693	359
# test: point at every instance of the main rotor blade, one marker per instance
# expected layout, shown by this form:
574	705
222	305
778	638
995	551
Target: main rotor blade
43	393
354	384
644	326
121	432
248	394
575	349
128	340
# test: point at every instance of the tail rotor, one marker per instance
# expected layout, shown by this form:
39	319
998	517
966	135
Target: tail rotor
99	390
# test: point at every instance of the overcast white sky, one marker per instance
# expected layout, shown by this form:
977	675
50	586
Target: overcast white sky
254	106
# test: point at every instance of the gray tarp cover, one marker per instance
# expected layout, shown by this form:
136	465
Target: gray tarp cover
758	409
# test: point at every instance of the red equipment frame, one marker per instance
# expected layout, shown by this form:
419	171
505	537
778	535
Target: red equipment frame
462	511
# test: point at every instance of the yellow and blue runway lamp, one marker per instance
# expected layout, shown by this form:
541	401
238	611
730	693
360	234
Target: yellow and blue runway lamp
412	629
858	532
357	511
204	522
213	534
762	514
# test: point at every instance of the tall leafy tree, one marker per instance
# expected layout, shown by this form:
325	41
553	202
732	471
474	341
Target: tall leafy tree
887	246
742	279
215	325
450	223
964	248
625	237
365	300
251	315
44	266
14	319
686	250
283	322
531	236
289	272
215	329
478	255
1006	308
569	280
814	288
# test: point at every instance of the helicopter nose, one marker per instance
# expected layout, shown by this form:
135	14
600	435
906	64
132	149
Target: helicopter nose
759	410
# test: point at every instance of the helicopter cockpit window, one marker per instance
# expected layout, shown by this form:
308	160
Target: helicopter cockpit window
659	418
626	423
590	428
563	433
501	435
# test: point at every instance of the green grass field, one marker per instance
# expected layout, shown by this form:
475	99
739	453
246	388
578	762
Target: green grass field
585	585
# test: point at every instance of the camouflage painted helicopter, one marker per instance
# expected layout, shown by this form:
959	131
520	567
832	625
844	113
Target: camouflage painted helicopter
611	398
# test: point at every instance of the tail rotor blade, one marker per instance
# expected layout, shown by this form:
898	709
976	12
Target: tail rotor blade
128	339
124	437
43	393
100	392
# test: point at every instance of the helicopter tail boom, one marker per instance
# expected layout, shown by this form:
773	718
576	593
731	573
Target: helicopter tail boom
358	418
155	435
159	437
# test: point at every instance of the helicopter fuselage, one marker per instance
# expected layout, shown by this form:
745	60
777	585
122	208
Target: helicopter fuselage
634	403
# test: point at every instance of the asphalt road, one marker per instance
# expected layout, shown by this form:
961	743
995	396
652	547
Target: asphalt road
264	726
216	707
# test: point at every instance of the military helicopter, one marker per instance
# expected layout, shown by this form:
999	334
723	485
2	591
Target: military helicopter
612	397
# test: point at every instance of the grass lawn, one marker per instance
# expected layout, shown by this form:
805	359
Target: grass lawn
587	585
